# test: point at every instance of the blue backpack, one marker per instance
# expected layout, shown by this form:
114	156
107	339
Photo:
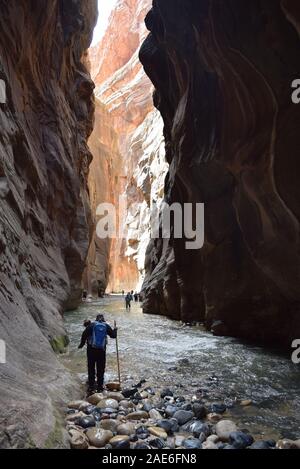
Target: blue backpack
98	339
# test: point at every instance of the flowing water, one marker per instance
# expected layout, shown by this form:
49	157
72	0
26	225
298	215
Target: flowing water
168	354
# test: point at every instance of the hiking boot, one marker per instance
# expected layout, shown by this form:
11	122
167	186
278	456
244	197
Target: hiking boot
100	389
90	392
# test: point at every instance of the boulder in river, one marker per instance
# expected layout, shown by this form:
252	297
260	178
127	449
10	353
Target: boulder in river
87	421
288	444
99	437
78	440
191	443
262	444
159	432
108	404
170	410
183	416
127	428
77	404
120	441
138	415
224	428
155	415
127	393
240	440
166	393
113	386
110	424
95	398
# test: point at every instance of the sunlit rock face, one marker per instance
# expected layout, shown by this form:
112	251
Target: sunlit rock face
44	206
126	93
223	75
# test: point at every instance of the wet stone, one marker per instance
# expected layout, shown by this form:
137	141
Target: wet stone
86	422
183	416
170	410
224	428
192	443
139	415
240	440
166	393
120	441
99	437
217	408
157	443
159	432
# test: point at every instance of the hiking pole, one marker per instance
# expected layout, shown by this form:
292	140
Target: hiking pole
118	358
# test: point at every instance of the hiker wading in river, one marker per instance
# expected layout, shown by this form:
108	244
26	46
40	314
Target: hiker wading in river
95	336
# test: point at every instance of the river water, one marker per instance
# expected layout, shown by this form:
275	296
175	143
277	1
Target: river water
186	359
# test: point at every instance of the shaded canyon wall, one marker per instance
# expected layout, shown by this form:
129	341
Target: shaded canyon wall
138	158
222	73
44	206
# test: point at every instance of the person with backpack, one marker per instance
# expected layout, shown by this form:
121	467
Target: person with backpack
95	336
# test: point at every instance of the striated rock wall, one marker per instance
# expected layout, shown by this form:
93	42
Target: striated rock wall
126	92
44	205
222	74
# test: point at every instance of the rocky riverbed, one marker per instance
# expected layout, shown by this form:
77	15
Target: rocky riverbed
142	417
194	365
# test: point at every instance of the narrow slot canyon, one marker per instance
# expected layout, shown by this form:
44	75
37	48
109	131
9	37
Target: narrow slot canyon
137	106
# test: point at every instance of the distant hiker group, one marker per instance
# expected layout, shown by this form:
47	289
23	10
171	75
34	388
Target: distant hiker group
130	297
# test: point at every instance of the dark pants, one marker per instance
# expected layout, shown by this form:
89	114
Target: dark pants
96	359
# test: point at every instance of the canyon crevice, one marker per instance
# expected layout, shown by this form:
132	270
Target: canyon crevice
44	202
222	75
128	151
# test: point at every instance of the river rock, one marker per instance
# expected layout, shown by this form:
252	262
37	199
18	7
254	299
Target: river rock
213	438
73	417
127	393
179	439
199	410
209	445
214	418
288	444
109	424
113	386
127	428
170	410
117	441
159	432
191	443
78	440
87	421
183	416
155	415
126	404
167	425
108	404
166	393
240	440
142	432
246	403
77	404
217	408
142	445
148	405
261	444
99	437
224	428
117	396
87	408
138	415
157	443
95	398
